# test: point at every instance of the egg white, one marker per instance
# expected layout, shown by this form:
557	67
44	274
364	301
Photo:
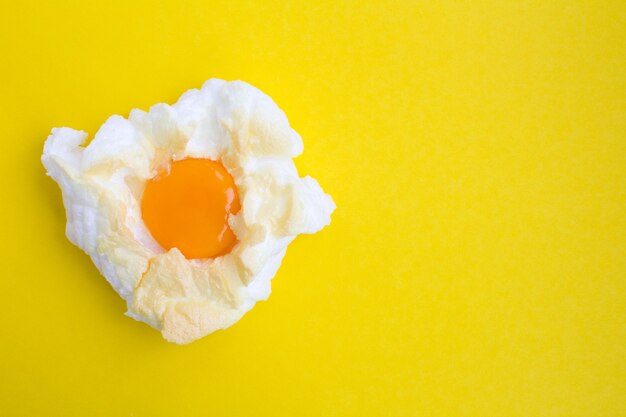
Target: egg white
102	184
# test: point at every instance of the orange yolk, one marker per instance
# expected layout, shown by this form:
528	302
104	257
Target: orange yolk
187	207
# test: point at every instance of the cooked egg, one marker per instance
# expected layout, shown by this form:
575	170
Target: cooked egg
187	210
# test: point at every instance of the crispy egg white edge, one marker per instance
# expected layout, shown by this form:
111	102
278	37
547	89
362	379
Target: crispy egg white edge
102	183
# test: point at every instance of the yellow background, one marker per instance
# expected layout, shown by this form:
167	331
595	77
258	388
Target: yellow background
476	262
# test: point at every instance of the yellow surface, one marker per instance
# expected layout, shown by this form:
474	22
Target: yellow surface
476	262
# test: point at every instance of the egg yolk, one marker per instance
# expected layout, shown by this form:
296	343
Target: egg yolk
187	207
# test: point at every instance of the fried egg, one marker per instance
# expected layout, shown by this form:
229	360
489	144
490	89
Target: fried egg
187	210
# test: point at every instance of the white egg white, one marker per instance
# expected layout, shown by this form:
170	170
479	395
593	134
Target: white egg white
102	184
